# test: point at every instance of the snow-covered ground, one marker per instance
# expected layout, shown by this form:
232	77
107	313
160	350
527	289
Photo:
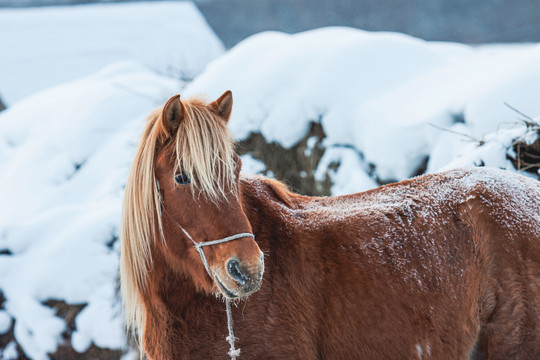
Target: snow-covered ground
65	151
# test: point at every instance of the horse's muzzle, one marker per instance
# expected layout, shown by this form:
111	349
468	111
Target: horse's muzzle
240	279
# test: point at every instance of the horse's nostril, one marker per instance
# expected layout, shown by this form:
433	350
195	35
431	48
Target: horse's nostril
233	268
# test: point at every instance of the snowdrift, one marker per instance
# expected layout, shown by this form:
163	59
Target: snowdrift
65	155
65	152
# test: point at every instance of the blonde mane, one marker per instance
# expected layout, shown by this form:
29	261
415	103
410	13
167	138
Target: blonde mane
204	149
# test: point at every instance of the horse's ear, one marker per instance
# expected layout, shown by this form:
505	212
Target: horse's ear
223	105
171	116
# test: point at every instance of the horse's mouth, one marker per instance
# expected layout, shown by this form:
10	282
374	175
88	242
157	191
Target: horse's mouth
228	293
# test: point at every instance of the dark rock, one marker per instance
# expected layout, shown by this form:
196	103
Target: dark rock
296	166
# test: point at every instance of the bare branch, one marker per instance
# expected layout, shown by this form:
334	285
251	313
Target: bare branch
528	119
467	136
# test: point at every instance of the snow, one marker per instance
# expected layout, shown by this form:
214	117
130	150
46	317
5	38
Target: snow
69	134
5	322
350	177
250	165
61	190
65	43
492	152
10	352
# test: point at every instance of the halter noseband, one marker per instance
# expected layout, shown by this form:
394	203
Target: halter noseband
199	245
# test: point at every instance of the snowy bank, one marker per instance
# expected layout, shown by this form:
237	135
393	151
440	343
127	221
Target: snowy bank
373	93
65	154
43	47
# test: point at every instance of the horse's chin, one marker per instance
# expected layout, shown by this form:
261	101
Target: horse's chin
236	292
224	290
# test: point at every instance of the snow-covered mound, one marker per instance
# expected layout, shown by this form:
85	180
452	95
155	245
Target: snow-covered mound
43	47
64	157
375	94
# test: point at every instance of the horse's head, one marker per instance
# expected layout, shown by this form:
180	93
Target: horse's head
197	172
183	192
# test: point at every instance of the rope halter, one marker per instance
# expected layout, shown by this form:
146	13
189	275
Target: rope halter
233	352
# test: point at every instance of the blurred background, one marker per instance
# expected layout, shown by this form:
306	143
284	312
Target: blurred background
331	97
472	22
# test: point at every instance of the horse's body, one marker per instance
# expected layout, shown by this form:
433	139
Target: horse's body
443	266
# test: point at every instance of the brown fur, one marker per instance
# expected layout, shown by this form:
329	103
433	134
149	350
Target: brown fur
443	266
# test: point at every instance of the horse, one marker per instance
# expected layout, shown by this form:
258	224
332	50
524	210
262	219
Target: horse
441	266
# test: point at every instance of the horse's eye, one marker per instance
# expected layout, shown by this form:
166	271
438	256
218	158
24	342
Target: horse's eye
182	179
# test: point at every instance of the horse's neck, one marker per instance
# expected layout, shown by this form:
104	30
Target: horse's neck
174	315
292	278
278	222
267	205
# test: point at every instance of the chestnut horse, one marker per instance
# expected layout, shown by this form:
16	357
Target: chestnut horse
443	266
